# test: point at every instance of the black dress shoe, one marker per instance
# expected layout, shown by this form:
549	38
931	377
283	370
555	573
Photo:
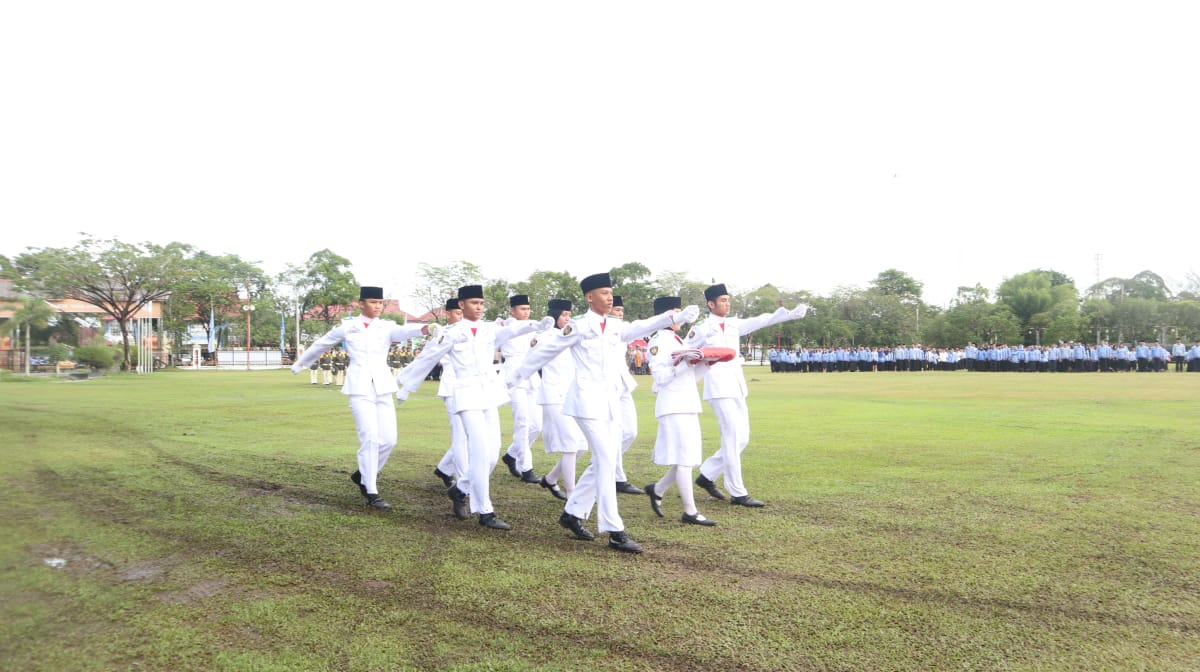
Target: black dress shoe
356	478
447	479
625	488
553	488
575	526
655	501
697	519
512	464
529	477
490	520
377	502
709	487
746	500
458	502
619	541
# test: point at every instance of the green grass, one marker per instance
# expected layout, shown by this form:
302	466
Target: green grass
914	522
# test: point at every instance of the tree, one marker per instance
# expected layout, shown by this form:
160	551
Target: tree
34	312
1043	300
897	283
438	283
324	284
215	290
120	279
631	283
545	285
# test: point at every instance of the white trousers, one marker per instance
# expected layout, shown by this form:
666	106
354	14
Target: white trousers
482	429
629	432
375	420
458	437
527	425
597	486
733	417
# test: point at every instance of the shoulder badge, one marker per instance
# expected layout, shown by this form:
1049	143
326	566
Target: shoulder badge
533	343
654	350
691	334
567	330
441	338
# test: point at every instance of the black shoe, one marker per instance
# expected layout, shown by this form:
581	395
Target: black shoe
377	502
512	464
619	541
458	502
575	526
655	501
447	479
490	520
553	488
697	519
529	476
746	500
356	478
625	488
709	487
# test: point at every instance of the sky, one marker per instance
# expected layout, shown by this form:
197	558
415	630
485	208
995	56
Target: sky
810	145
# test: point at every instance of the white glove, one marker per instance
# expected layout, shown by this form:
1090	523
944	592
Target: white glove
798	312
688	314
434	328
510	381
401	396
501	322
296	369
545	323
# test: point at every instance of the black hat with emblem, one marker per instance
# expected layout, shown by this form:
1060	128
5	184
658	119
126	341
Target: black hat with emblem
664	303
715	292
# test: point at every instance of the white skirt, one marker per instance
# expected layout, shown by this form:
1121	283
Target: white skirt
560	433
678	440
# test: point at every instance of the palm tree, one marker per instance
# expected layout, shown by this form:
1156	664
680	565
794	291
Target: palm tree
32	313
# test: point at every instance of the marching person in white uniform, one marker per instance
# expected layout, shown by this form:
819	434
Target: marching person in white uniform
560	435
629	419
526	413
677	408
725	390
470	347
369	384
447	469
593	399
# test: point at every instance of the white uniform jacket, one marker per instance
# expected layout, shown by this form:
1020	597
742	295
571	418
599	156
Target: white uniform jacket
557	373
725	379
674	384
513	351
368	346
470	350
598	348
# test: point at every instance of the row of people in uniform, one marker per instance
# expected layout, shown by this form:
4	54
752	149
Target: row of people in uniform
330	368
1063	357
581	400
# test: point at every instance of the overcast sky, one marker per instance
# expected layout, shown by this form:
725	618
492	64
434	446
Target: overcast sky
809	145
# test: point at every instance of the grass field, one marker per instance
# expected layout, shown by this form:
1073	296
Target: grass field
914	522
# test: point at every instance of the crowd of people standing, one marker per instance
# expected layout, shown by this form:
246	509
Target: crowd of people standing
1062	357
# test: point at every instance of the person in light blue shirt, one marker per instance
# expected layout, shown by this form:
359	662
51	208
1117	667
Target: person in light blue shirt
1193	358
1178	355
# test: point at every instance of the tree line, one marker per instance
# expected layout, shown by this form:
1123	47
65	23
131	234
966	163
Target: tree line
1032	307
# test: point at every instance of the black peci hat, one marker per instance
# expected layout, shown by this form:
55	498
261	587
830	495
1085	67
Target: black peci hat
518	300
617	303
664	303
595	282
451	304
714	292
370	293
470	292
557	306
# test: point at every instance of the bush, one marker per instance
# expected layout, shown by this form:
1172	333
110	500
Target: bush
59	352
95	356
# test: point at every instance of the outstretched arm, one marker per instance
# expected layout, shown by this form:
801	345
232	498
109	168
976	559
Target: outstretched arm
318	348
